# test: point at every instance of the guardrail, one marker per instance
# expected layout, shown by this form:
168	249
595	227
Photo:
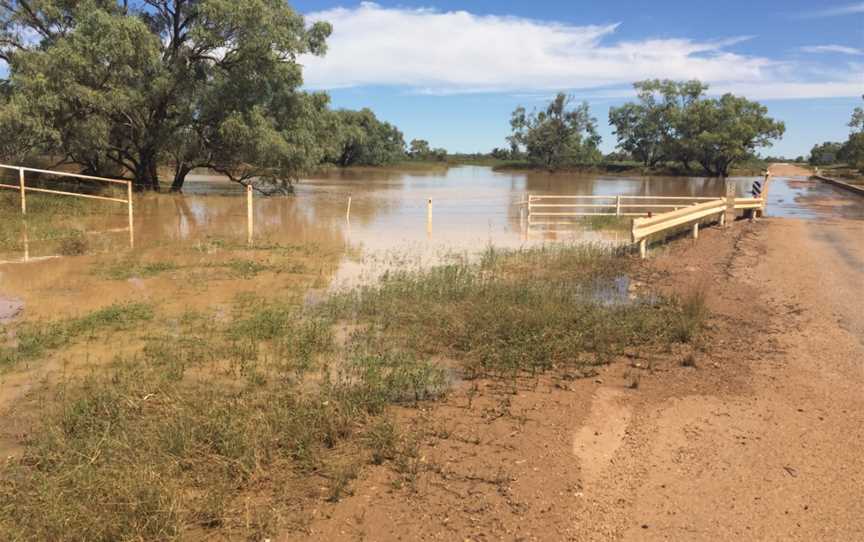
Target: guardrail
545	207
644	227
23	188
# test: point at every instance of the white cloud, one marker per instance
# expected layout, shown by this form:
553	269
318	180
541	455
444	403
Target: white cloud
842	49
849	9
448	52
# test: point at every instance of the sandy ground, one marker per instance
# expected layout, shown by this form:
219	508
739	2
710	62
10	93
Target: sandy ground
760	441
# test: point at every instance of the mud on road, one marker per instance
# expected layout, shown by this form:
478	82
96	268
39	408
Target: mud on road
760	440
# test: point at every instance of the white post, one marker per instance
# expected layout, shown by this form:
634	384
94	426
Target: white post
348	211
696	230
249	216
618	205
131	215
643	248
23	191
429	216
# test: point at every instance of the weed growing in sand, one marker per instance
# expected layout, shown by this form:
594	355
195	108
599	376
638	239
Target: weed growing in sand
690	316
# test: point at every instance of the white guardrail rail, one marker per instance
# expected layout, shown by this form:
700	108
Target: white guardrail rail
644	227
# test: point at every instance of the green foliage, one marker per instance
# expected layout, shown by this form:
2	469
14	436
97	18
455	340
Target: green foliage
419	150
675	121
825	154
363	140
852	152
558	136
123	87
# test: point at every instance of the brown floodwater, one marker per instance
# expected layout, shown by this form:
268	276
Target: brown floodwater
473	207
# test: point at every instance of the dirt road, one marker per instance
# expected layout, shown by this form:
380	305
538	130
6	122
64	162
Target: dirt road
761	440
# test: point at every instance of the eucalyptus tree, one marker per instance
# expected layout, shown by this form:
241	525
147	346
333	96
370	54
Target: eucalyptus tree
675	121
824	154
363	140
122	87
728	130
561	134
852	152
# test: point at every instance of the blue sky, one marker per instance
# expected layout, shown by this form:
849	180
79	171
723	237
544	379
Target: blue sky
451	72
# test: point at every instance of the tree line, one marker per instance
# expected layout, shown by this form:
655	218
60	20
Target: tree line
670	122
133	89
849	152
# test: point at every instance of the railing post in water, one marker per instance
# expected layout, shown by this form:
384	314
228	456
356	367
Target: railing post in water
131	215
730	201
348	210
618	205
23	191
249	216
429	216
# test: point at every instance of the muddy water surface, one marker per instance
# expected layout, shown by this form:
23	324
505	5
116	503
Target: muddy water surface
388	226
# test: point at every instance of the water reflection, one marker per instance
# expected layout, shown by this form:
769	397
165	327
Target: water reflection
471	207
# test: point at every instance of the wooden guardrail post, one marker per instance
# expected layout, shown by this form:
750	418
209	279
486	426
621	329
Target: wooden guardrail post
730	190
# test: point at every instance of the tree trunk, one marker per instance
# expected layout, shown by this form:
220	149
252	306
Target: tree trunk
146	176
180	173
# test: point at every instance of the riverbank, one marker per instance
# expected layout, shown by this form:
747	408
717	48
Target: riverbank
633	169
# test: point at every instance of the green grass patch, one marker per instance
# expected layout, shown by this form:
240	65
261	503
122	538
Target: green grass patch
126	270
515	312
35	339
179	437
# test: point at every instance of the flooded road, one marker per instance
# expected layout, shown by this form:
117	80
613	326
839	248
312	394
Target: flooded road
472	208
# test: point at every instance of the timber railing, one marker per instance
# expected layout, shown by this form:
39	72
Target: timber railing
654	214
23	189
642	228
557	207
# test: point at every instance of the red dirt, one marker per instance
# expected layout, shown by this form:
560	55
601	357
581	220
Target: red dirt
761	440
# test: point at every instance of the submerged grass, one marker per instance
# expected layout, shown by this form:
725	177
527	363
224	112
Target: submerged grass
515	312
48	219
218	422
35	339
